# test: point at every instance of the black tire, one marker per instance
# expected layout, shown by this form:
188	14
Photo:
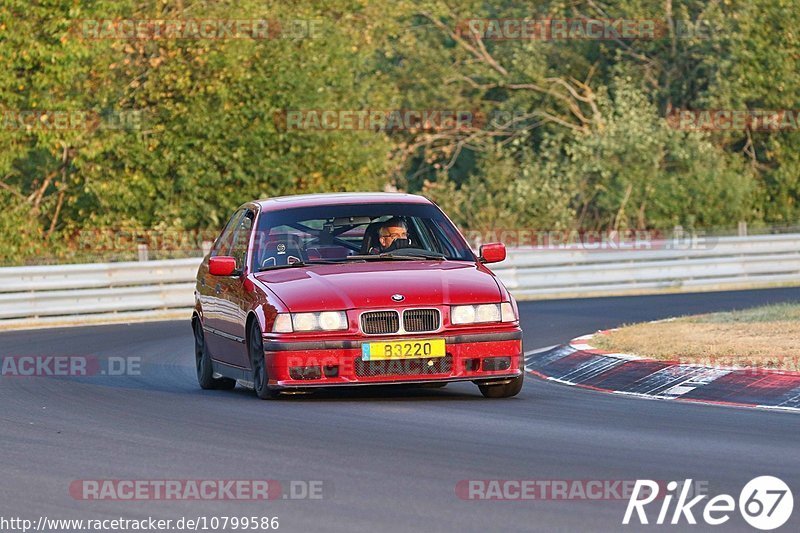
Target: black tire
205	370
506	390
255	346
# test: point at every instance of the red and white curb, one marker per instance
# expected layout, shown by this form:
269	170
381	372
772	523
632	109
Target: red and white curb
580	364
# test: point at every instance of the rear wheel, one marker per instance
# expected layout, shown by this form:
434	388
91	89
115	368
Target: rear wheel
205	370
258	364
506	390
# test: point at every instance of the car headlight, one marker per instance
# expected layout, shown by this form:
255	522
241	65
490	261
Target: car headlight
462	314
507	313
487	313
305	321
283	323
322	321
332	320
482	313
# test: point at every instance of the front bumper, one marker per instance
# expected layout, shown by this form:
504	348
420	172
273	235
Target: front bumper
481	357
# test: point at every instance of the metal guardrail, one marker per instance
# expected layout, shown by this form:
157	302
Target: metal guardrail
35	293
68	290
717	263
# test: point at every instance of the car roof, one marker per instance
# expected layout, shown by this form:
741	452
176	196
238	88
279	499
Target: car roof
343	198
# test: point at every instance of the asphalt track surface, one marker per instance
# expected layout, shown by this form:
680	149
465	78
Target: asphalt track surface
390	459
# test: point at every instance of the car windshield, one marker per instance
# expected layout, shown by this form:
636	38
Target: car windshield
342	233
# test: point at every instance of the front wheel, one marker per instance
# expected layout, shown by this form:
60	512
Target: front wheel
205	370
506	390
258	364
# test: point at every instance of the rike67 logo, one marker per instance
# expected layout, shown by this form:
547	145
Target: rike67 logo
765	503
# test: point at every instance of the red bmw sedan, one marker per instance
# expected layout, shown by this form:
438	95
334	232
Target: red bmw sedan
330	290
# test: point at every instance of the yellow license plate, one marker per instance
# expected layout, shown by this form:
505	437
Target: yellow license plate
417	349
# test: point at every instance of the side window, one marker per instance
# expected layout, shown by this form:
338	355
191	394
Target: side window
241	238
222	246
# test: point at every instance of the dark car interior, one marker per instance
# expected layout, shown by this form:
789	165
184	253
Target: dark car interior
340	233
331	240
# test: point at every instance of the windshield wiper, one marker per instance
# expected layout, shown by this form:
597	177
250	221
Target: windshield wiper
299	264
415	255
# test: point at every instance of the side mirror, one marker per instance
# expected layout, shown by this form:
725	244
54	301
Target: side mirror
493	252
221	265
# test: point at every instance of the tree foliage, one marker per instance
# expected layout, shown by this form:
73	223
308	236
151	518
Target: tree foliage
573	135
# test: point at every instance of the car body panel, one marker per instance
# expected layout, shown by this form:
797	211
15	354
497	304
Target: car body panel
370	285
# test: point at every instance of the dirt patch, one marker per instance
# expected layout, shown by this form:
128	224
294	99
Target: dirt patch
763	337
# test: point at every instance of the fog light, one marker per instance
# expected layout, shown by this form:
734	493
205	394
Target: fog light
304	372
497	363
331	371
472	365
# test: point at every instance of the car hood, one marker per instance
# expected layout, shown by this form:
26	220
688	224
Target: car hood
371	285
